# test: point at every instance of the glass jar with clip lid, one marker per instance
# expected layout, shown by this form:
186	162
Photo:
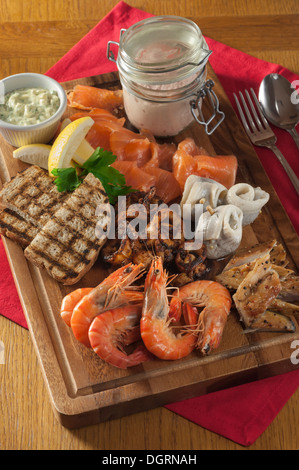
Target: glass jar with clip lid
162	69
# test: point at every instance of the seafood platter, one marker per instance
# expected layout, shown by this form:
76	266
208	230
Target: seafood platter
126	323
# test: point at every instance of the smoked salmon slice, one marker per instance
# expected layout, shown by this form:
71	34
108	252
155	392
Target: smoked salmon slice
161	156
184	165
167	187
100	132
134	176
153	161
98	114
88	97
189	146
137	150
143	179
165	156
221	168
119	141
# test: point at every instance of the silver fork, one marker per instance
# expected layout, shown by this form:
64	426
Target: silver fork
260	133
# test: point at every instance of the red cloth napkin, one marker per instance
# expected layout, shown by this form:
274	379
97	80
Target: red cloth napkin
241	413
10	305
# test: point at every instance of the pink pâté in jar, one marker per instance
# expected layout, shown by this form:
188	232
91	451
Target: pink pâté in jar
162	69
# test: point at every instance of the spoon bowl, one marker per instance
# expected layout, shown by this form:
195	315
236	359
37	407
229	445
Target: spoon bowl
280	103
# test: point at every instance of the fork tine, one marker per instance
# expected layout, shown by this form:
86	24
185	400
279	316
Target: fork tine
259	108
244	121
264	136
257	120
249	117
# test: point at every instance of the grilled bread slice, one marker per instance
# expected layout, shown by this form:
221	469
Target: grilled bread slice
13	226
67	246
32	195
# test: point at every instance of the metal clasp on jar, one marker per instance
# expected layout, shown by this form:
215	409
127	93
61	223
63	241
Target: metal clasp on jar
110	53
196	104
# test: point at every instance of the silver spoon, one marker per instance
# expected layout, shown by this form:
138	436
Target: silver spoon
280	103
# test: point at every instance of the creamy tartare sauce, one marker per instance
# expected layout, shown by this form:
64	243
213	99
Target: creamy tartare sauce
27	106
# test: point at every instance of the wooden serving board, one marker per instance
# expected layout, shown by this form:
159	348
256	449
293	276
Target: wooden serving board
82	388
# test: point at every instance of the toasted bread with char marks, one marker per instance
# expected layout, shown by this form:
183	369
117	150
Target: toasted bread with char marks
67	246
32	195
13	226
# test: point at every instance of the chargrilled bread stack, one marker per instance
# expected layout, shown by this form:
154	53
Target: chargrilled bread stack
32	195
30	200
57	229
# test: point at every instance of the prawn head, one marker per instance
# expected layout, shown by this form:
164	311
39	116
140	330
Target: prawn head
156	331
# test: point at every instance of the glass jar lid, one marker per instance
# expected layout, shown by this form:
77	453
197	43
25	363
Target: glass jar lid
162	49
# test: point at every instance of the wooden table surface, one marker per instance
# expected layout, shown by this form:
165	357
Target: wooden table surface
34	34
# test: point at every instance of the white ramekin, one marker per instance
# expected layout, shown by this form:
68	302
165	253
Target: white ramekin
40	133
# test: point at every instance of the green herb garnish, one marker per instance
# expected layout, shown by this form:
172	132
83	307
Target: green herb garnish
67	179
114	182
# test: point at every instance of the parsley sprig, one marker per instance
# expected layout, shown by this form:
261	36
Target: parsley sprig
99	164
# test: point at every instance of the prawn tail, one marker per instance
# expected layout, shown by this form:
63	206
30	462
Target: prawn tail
210	332
139	356
205	345
131	335
190	314
175	309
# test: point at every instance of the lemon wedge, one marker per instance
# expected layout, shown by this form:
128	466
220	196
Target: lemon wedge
84	151
67	143
65	123
34	154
